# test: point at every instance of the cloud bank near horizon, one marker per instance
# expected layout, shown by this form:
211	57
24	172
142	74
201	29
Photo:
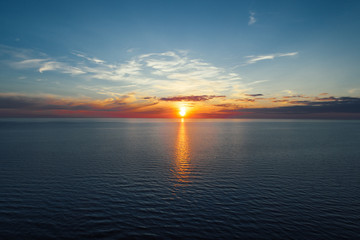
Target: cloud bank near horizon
20	105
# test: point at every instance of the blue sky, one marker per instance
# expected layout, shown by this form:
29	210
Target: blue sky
136	53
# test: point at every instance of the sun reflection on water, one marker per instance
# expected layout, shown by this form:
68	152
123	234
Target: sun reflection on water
182	167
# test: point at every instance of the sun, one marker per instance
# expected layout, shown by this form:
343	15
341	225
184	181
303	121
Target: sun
182	111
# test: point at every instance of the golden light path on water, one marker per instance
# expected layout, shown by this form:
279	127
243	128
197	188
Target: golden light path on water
182	167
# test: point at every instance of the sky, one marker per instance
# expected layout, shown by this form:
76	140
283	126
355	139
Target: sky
217	59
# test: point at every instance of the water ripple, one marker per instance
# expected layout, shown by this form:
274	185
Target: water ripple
171	180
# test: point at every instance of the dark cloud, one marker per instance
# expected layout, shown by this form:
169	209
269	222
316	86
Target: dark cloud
295	96
226	105
281	101
30	103
318	101
335	100
327	99
245	100
254	95
191	98
19	102
300	102
331	108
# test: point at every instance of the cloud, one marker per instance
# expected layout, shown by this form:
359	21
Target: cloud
91	59
46	64
50	66
226	105
354	90
313	101
295	96
177	66
130	50
129	105
287	54
60	67
254	95
254	59
329	106
191	98
288	91
48	102
256	82
331	98
19	53
151	73
245	100
252	18
29	63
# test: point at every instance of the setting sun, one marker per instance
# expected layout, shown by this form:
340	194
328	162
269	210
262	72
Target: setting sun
182	111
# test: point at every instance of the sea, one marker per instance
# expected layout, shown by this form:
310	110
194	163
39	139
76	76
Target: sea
179	179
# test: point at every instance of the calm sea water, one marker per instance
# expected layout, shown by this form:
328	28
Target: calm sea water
167	179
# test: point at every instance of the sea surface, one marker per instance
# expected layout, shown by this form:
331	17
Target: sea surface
173	179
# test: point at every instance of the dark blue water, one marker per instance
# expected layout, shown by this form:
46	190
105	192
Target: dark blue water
166	179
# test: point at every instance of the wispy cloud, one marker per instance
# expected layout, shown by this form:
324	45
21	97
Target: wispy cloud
91	59
252	18
256	82
191	98
287	54
253	59
130	50
29	59
152	73
29	63
354	90
43	65
19	53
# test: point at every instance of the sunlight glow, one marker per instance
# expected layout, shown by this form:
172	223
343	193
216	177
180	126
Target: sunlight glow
182	111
